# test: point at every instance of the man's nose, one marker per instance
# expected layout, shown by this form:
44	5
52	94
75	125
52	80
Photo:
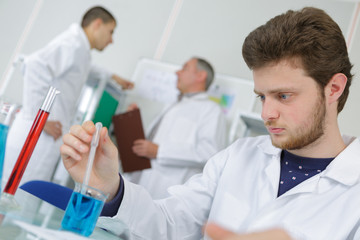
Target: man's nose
269	110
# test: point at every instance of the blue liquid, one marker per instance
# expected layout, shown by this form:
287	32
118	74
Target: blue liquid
3	134
81	214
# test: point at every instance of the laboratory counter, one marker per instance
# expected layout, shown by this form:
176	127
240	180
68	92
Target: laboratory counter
39	220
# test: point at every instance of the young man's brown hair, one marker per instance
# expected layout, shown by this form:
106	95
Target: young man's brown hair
309	38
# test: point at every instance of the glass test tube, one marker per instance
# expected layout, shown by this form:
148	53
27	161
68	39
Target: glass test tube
7	113
31	140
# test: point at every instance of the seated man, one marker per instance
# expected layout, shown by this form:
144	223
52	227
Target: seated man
299	178
184	136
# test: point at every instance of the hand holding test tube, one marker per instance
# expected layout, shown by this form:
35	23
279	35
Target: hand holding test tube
86	203
93	146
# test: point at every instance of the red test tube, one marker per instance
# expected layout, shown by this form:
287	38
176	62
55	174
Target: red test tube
30	143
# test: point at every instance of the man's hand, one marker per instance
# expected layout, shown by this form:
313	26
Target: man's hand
145	148
132	107
53	128
215	232
125	84
75	154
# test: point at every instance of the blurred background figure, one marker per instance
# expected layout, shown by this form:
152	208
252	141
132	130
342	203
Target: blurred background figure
185	135
64	63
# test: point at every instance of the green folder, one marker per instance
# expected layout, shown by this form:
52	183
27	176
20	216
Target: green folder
106	109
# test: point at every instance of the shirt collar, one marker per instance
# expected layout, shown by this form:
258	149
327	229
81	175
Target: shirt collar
293	161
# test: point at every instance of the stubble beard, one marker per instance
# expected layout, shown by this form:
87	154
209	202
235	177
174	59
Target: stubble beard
304	135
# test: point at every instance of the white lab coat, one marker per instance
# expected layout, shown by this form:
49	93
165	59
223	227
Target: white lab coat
238	190
190	132
64	63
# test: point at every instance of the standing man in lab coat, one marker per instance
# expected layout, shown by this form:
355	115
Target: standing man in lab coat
304	177
64	63
185	135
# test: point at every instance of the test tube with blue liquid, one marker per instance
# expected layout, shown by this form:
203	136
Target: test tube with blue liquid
7	112
86	203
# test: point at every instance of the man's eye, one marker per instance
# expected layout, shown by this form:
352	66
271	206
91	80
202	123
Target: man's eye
261	97
284	96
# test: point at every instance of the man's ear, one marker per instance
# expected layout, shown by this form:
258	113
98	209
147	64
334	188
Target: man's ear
97	23
201	76
335	87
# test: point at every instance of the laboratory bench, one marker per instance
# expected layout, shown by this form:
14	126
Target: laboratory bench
39	220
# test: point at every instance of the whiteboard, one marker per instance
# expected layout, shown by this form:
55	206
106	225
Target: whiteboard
155	87
156	80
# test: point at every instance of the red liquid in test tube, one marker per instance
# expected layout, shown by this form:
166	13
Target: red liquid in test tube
30	143
26	152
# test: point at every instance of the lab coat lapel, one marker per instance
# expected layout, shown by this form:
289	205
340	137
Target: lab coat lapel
158	118
272	170
156	121
345	168
348	161
265	214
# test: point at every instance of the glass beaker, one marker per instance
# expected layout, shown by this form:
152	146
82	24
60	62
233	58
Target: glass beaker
83	209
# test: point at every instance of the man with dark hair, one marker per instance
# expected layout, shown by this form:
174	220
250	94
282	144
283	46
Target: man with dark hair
184	135
64	63
299	178
95	13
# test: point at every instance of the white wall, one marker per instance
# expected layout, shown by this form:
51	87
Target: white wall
213	29
349	118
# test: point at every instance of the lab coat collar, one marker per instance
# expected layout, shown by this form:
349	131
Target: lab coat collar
268	148
345	168
77	29
196	96
272	170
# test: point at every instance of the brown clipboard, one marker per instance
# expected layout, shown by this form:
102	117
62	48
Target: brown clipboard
128	128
